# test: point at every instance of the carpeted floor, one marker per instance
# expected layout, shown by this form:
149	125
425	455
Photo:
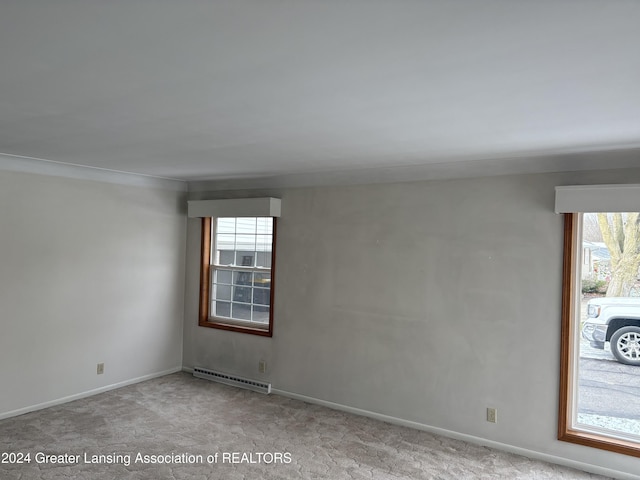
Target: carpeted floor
221	432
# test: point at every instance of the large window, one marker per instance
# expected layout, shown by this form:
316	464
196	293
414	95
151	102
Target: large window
237	272
600	371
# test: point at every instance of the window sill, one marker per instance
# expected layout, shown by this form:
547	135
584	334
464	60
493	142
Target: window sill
600	441
236	327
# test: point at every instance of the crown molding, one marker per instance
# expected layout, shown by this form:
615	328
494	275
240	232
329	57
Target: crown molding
595	159
18	163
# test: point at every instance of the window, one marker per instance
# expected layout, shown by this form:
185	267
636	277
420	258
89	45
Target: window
237	273
600	339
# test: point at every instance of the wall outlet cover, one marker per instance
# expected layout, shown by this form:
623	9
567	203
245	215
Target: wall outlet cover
492	415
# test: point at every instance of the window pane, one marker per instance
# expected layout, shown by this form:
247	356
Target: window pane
242	278
242	294
264	225
245	259
222	309
222	292
260	314
261	296
246	242
225	241
263	243
222	276
226	225
246	225
240	311
263	259
225	257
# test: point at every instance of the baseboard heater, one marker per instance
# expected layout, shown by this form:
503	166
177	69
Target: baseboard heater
232	380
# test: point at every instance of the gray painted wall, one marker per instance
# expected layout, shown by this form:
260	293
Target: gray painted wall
423	301
89	272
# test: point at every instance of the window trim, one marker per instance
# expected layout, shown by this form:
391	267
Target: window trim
567	371
204	320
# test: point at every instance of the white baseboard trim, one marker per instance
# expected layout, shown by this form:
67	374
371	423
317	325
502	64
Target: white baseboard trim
88	393
587	467
187	369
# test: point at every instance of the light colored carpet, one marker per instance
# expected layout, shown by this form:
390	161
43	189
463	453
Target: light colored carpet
286	439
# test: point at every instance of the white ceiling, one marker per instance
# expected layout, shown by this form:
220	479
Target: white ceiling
213	89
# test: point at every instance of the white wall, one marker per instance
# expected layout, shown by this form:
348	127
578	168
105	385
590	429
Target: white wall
424	301
89	272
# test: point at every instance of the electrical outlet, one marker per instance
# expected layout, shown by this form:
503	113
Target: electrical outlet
492	415
100	369
262	366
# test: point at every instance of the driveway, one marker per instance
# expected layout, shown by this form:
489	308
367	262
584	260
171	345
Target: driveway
608	391
608	394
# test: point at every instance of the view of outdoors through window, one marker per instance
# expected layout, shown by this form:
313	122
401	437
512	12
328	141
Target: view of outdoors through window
607	396
241	280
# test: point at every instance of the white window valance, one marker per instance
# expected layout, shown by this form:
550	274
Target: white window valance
598	198
235	207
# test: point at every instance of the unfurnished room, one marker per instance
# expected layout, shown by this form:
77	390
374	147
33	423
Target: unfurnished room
304	239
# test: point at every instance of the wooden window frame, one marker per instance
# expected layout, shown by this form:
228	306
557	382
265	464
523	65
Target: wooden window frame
204	317
567	372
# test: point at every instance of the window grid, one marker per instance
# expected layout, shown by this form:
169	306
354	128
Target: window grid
241	261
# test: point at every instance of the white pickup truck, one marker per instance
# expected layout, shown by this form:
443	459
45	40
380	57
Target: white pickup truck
615	320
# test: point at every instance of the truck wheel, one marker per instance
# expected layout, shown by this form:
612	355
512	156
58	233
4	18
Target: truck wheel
625	345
